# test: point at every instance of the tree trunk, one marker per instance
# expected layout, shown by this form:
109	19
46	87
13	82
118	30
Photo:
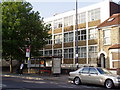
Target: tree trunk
11	69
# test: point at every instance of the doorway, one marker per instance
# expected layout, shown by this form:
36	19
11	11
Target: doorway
102	60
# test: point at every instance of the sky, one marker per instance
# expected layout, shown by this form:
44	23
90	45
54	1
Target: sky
48	8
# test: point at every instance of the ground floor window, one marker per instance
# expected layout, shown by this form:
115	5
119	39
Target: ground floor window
48	53
68	53
58	52
115	59
82	52
92	51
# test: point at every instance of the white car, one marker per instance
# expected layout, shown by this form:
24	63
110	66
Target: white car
95	75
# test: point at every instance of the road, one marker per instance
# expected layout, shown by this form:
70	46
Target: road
12	83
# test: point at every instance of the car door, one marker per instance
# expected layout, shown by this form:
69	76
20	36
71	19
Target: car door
84	75
93	77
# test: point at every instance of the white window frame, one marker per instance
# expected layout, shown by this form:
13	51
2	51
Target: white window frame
82	17
68	21
107	37
94	14
80	35
93	51
58	23
68	37
49	42
93	34
58	40
48	52
82	54
58	52
68	53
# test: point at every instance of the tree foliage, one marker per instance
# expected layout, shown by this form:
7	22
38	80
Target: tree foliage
22	27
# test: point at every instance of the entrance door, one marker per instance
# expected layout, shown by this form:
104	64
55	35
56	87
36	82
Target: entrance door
102	60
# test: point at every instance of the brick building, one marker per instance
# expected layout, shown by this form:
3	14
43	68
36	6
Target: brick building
109	42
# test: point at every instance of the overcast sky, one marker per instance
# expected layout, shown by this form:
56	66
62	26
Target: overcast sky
48	8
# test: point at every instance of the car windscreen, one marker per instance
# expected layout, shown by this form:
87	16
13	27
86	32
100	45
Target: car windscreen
103	71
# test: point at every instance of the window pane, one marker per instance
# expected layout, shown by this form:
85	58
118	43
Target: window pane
85	70
81	18
58	23
68	21
93	71
107	37
94	15
58	39
66	37
70	36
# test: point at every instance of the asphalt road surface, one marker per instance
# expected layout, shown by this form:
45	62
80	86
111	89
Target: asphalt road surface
12	83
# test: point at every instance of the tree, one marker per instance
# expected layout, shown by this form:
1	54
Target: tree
22	27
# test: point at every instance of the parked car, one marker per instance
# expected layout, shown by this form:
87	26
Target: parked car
95	75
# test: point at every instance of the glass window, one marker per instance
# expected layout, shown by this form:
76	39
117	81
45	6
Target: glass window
71	37
71	53
58	39
82	52
94	14
92	33
68	21
58	23
81	18
48	52
107	37
58	52
103	71
49	41
68	53
82	35
85	70
93	51
68	37
93	71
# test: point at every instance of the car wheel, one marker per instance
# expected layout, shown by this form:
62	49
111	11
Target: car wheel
109	83
77	81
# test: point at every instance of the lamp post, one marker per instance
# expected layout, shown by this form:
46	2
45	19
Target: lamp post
76	58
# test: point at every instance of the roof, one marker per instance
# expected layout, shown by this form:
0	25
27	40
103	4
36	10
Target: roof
113	20
115	46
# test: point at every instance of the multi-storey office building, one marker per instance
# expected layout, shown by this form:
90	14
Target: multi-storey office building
63	33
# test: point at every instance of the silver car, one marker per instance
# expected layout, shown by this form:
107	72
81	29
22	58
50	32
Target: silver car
95	75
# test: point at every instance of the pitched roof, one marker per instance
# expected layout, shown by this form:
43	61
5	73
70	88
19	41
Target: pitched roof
115	46
113	20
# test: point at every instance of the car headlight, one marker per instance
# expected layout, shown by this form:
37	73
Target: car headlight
118	79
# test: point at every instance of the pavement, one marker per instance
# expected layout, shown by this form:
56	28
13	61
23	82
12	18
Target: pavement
60	77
